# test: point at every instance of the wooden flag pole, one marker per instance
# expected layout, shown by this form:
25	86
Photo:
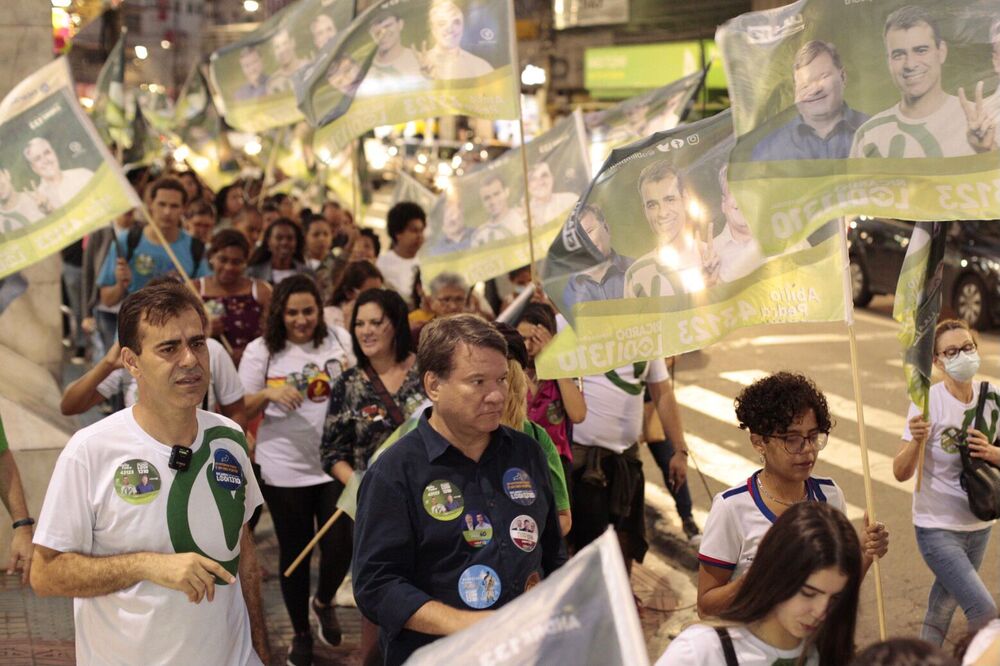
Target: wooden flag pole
923	448
355	182
869	495
312	543
527	194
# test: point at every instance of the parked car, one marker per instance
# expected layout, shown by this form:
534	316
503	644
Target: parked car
971	285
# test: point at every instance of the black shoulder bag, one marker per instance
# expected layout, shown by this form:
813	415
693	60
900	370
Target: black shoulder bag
980	479
727	646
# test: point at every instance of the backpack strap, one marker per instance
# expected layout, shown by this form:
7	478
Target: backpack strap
980	423
132	241
197	252
727	646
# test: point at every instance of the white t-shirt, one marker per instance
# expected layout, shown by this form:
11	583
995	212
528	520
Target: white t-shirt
739	519
893	134
941	502
736	259
333	315
673	269
398	272
699	645
113	492
981	642
288	442
224	386
614	416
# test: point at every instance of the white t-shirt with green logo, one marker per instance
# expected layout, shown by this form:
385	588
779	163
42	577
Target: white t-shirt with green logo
699	645
893	134
112	492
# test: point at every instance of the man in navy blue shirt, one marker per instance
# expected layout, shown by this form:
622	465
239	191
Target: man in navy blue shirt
605	280
824	127
417	573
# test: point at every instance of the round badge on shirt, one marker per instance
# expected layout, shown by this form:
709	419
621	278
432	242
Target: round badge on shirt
226	470
524	533
442	500
479	586
519	486
476	529
137	481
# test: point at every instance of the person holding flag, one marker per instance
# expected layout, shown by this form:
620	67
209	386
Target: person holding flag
951	539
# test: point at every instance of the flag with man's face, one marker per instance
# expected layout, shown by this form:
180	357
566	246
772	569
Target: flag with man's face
637	117
58	181
918	305
108	111
202	132
658	259
878	108
255	76
404	60
478	228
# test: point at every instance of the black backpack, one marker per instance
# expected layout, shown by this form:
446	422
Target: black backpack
980	479
135	235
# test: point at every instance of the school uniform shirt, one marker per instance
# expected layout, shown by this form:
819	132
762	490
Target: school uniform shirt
739	519
941	502
434	525
699	645
288	441
224	386
614	405
98	504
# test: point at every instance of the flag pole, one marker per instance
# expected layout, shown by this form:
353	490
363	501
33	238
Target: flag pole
312	543
272	159
355	177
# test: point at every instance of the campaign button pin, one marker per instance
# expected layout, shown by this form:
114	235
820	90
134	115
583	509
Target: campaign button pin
518	486
227	470
476	529
137	481
479	586
524	533
442	500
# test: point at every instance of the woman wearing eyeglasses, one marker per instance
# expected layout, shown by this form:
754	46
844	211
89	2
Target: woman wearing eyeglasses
789	423
951	539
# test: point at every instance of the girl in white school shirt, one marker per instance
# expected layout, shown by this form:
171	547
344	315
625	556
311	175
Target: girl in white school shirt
798	602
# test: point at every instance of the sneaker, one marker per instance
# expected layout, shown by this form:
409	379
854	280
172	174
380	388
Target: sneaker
301	652
329	628
691	530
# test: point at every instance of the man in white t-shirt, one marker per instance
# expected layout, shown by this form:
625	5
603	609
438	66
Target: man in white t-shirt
57	186
608	482
395	67
504	222
170	574
546	204
927	121
405	224
447	59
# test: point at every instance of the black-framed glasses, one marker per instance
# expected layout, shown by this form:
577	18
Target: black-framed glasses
795	443
952	352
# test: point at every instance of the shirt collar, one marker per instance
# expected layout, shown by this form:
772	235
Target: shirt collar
850	121
436	445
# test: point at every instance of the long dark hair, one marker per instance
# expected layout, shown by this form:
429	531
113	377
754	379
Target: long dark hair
262	253
394	309
355	275
808	537
275	334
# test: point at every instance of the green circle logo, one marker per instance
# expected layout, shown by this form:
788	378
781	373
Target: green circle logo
137	481
443	500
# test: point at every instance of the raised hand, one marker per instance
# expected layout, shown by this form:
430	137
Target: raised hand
981	127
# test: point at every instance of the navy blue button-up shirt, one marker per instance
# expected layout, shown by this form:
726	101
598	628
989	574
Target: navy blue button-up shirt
420	534
582	288
798	141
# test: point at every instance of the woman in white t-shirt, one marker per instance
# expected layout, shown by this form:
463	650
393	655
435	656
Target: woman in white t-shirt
798	601
951	539
789	423
287	374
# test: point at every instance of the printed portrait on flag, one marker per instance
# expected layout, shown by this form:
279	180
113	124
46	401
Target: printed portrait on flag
659	259
254	76
884	108
478	227
407	59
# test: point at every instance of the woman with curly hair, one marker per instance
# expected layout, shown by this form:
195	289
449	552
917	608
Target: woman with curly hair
789	423
797	603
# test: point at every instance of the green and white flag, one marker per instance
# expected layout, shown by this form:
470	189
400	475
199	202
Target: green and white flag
479	228
146	143
874	108
58	181
637	117
658	259
409	188
404	60
582	614
202	132
108	111
255	76
918	305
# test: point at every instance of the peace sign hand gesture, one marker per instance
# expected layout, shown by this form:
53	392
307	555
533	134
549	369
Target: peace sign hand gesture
982	129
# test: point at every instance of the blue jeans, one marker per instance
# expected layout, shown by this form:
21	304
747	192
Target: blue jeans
662	453
954	558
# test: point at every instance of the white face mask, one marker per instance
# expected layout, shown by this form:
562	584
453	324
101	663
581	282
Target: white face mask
963	367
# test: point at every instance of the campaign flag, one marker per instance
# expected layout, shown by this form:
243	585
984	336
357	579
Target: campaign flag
409	188
108	112
200	128
872	108
918	305
404	60
58	181
637	117
254	76
337	172
583	613
295	158
478	228
658	259
146	144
